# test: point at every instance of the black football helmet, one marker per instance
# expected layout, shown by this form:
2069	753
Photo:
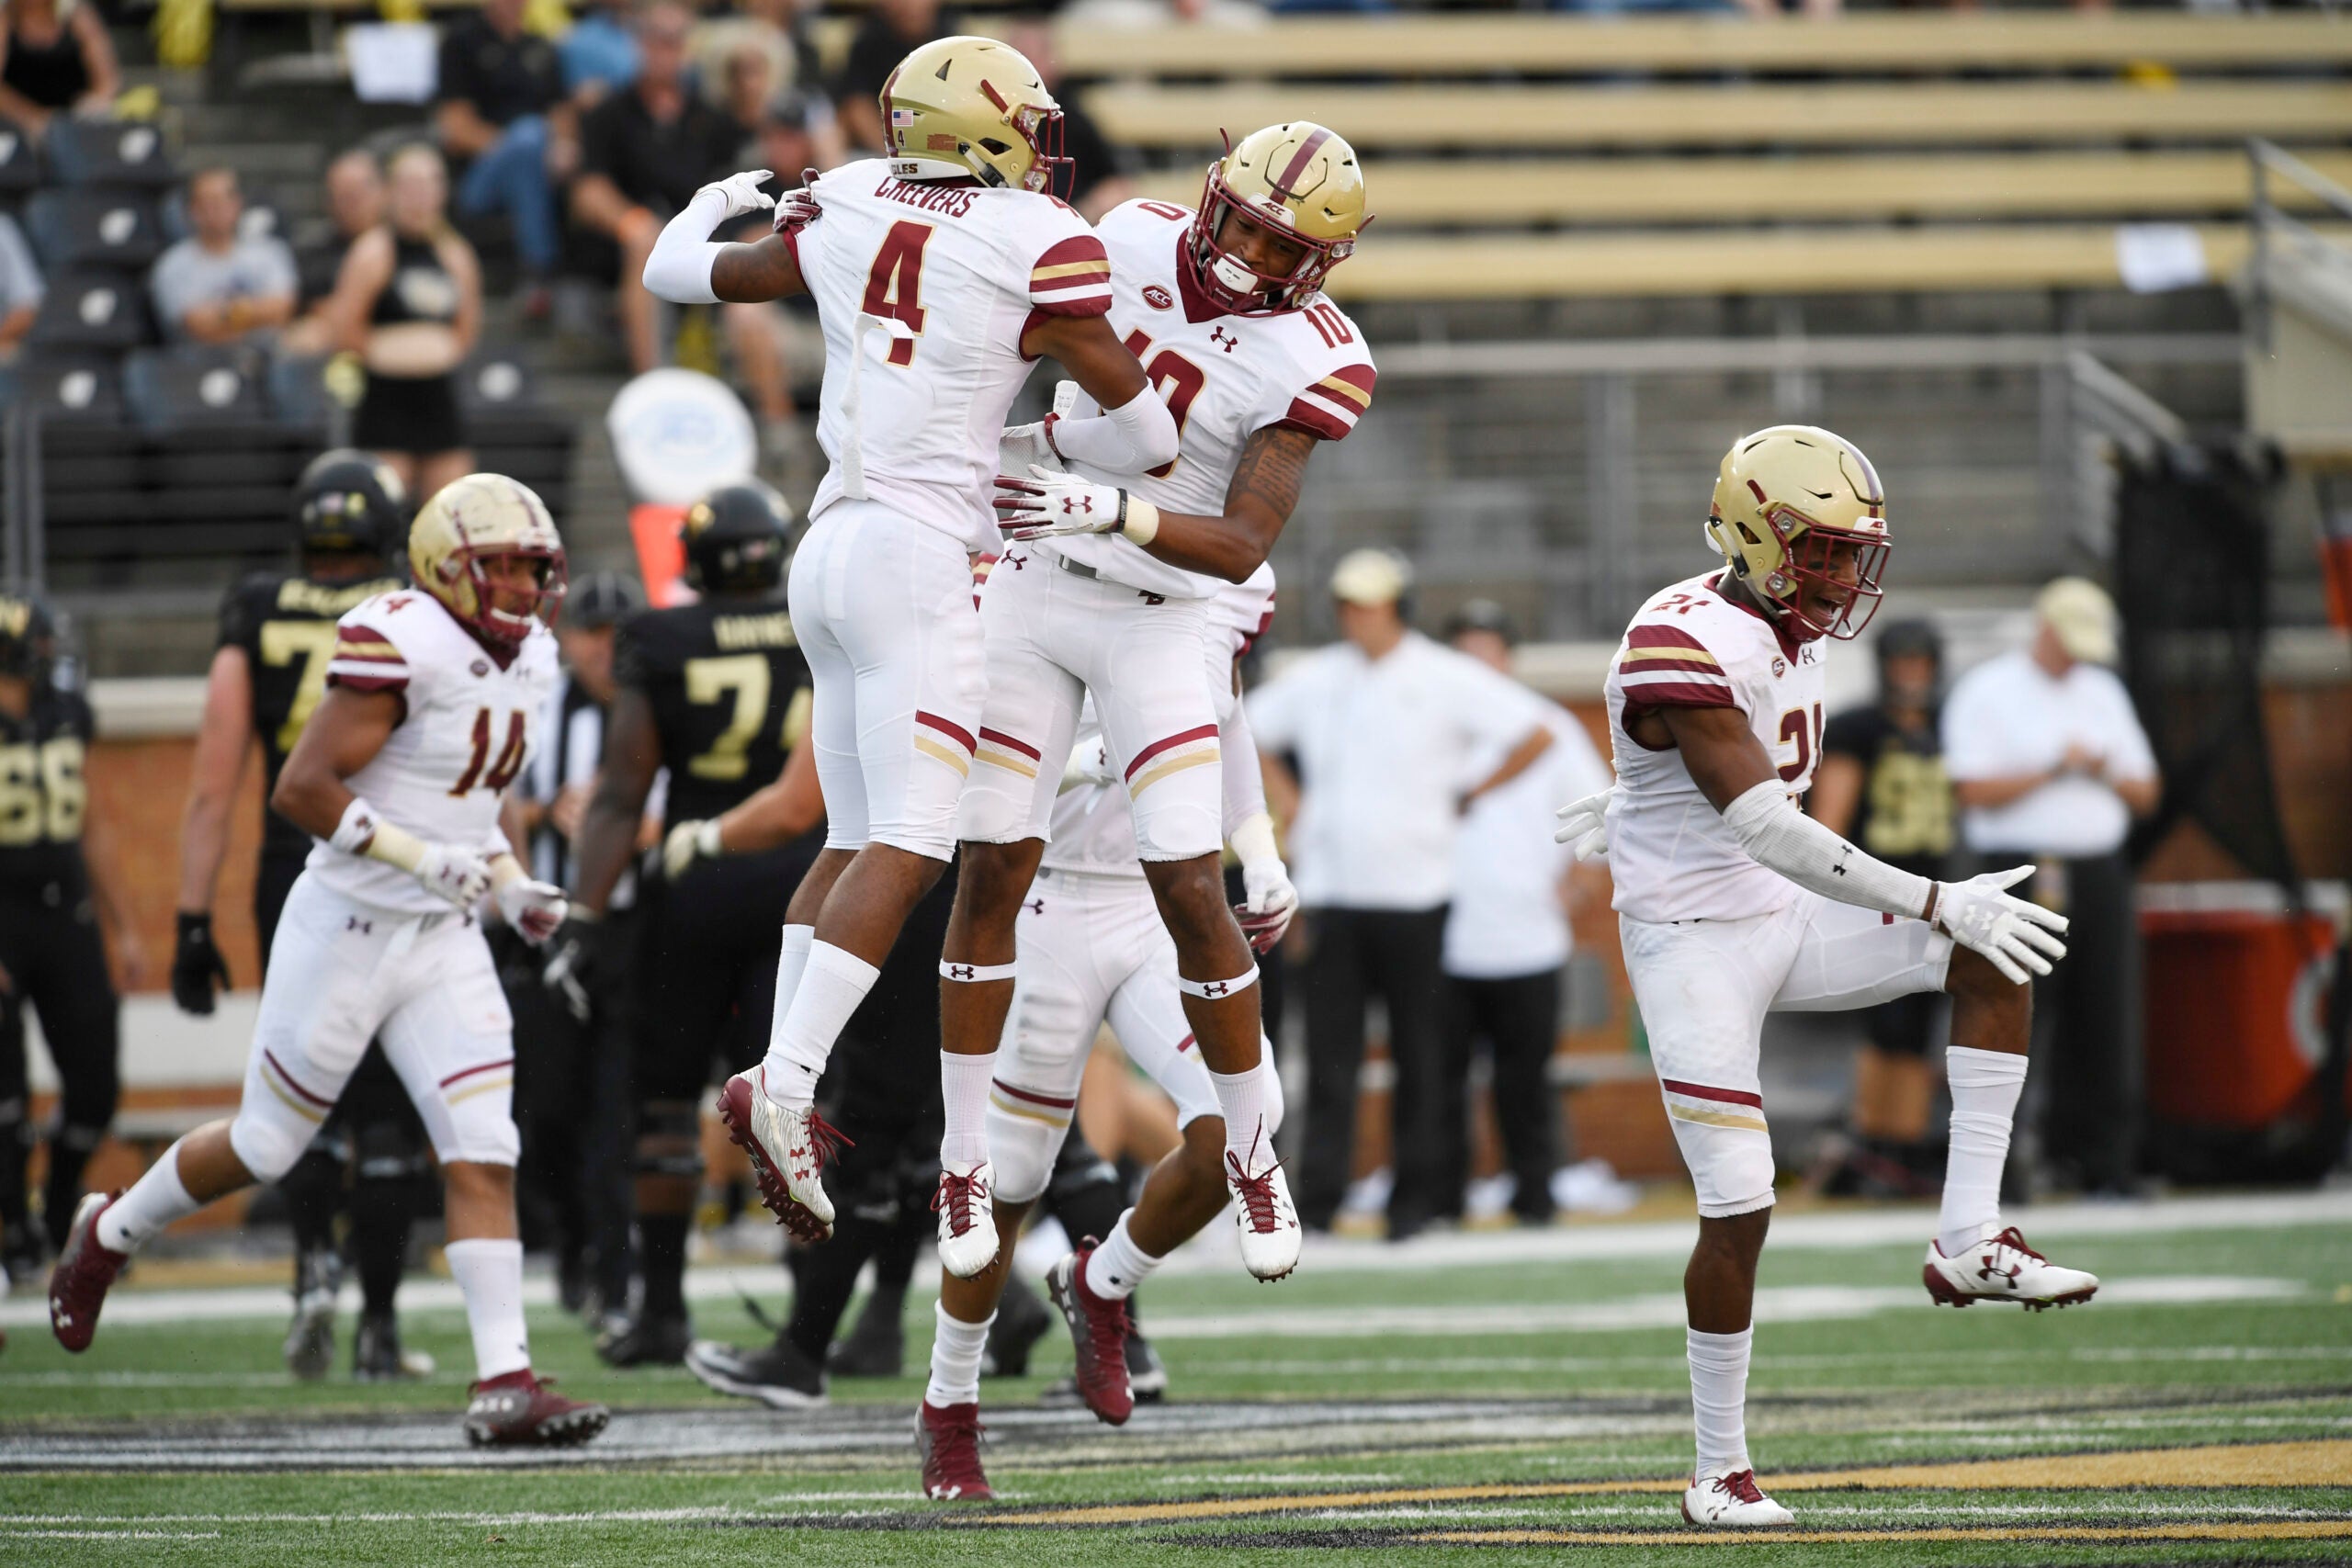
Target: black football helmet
347	503
736	539
25	628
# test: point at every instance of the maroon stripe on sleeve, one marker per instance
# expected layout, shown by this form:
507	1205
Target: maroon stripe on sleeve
366	636
1316	421
1205	732
1007	741
1650	636
1361	376
1702	1091
1077	248
1687	666
368	683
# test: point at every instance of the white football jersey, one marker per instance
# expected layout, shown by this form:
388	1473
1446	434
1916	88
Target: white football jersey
465	737
1669	852
925	289
1092	829
1224	379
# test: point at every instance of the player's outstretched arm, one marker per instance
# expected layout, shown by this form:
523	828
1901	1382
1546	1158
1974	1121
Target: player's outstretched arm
1731	768
1231	544
769	818
687	267
224	745
609	828
349	727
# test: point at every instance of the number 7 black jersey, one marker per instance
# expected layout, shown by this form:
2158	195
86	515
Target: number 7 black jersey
286	625
42	796
729	691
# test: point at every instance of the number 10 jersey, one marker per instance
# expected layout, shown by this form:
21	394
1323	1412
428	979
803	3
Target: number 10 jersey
464	733
925	289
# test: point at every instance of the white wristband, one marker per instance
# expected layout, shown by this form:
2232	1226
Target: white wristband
364	832
1780	837
1138	519
1253	840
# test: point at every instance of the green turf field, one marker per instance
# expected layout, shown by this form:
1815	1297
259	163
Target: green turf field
1482	1398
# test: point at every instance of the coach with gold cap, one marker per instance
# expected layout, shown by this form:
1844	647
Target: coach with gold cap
2050	765
1395	737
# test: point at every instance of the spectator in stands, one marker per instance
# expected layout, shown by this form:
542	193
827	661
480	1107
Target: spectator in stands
354	192
643	155
598	53
778	29
1131	14
1099	179
20	289
891	28
1882	785
1507	943
218	285
56	58
409	303
2050	766
503	122
1397	737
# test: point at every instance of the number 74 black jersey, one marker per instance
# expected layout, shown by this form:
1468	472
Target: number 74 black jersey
731	696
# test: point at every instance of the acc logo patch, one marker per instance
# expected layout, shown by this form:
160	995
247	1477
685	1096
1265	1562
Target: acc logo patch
1158	299
1780	666
480	668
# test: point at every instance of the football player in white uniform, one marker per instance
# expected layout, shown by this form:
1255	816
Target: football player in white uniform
939	272
1732	904
1109	593
1094	950
432	696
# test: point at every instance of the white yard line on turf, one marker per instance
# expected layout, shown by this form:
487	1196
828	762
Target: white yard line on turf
1429	1253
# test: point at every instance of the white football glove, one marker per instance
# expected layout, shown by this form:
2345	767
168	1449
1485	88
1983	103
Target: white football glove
1053	505
2015	934
534	908
797	209
743	192
1269	903
687	842
1585	824
1023	447
459	876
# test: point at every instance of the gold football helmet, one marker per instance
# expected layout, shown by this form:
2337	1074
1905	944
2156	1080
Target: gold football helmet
1298	179
1794	507
963	106
467	522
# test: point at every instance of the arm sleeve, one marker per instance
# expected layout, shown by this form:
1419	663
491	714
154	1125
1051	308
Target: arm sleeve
1245	784
1139	434
365	658
1779	838
678	269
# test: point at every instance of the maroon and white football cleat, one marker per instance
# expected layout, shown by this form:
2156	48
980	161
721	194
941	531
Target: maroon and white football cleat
967	1238
949	1440
85	1271
788	1151
1263	1214
2004	1269
1099	1329
1732	1502
518	1410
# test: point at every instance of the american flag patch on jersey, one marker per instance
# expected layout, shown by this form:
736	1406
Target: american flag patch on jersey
902	118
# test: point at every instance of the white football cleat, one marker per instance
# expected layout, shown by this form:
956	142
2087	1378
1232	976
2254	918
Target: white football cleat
1732	1502
1266	1218
2004	1269
788	1151
966	1218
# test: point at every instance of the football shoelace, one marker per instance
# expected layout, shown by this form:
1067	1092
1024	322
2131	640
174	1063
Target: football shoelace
954	1198
1741	1486
824	1141
1256	1192
2015	1241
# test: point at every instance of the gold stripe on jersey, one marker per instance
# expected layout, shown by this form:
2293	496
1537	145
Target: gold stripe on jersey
1100	269
1716	1118
997	757
1173	765
1334	387
930	748
382	652
1679	654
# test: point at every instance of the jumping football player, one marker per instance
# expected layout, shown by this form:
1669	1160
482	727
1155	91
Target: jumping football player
1094	950
939	272
1111	597
717	693
1733	904
432	695
278	635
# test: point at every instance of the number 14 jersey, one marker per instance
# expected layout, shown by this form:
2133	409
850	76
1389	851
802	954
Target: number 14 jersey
464	733
925	289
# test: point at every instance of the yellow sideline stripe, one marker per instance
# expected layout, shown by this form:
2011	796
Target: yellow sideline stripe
2321	1462
2249	1529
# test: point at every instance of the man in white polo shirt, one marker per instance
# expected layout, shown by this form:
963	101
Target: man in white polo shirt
1395	737
2050	765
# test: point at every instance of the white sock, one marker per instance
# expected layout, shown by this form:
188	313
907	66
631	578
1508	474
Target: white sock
955	1360
963	1090
155	1200
490	1274
1115	1267
791	962
1985	1089
1718	1399
1242	1098
832	982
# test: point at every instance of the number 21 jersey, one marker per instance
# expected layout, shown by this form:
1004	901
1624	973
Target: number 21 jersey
463	736
925	289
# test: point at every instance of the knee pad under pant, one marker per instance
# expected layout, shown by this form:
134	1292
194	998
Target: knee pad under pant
1023	1148
268	1138
1728	1150
669	1140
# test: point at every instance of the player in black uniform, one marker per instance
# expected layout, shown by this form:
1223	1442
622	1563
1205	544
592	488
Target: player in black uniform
350	516
718	694
58	885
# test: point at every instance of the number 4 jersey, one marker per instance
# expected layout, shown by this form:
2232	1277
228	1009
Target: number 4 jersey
463	736
1669	852
925	289
730	693
1224	377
